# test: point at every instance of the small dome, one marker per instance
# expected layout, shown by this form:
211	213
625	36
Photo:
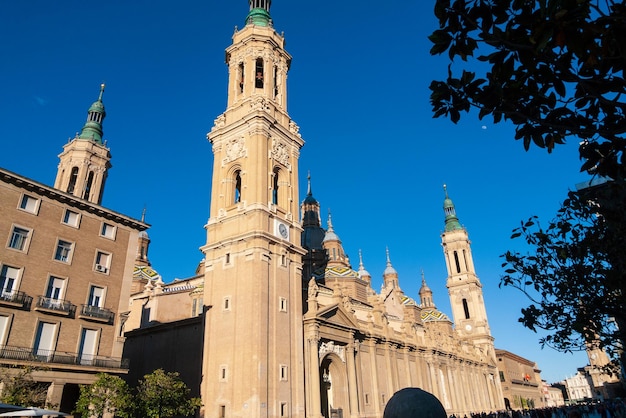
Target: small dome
424	288
144	234
97	106
330	233
310	200
331	236
389	269
363	272
259	17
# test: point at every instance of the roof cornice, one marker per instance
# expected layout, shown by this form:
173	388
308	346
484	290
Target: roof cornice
68	199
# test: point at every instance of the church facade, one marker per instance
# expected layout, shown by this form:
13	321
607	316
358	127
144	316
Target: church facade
290	329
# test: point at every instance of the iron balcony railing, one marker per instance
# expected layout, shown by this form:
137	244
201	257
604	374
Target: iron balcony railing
58	305
61	357
98	313
16	297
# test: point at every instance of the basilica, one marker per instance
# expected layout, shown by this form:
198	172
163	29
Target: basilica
276	322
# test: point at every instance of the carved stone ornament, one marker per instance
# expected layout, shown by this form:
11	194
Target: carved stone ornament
260	103
313	289
220	121
280	153
294	128
235	148
330	347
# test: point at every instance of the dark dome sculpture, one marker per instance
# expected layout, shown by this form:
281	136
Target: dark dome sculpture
414	403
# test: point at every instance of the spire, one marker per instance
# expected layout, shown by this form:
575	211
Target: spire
330	233
259	14
309	199
390	275
313	233
334	250
389	269
452	222
308	178
92	130
363	274
426	295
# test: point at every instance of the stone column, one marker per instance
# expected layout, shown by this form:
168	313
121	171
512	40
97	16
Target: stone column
314	380
452	388
489	379
460	377
407	366
352	384
467	375
375	384
391	375
55	394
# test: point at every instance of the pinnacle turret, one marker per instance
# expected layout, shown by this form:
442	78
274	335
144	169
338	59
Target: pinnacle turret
92	130
390	275
426	295
363	274
452	222
334	249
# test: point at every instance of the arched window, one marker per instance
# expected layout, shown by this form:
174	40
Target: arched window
258	74
73	178
456	262
275	82
241	77
88	186
275	186
237	193
465	260
466	309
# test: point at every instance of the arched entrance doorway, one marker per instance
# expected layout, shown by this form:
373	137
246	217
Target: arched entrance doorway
334	387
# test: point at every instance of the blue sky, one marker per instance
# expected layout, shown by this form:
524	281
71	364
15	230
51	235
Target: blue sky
358	89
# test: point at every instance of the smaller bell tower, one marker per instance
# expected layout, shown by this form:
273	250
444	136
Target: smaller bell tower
464	288
85	159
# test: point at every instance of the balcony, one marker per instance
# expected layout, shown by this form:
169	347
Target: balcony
15	299
96	313
55	306
61	357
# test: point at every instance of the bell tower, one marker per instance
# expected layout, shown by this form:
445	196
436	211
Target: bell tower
464	288
85	159
253	356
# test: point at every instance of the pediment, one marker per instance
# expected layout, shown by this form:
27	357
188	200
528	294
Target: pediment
336	316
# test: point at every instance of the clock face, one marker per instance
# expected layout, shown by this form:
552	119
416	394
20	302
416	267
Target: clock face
468	327
282	229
